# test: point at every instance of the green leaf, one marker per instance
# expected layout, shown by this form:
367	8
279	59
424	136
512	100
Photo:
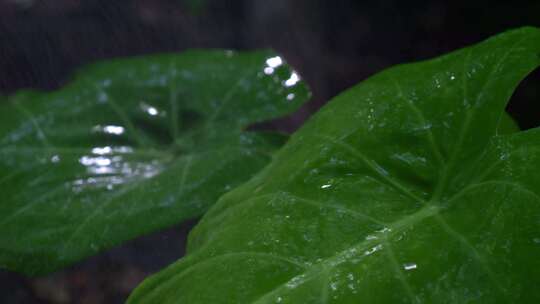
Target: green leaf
400	190
132	146
507	125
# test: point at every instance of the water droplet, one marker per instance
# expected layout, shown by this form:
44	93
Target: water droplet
296	281
150	110
373	250
268	70
290	96
409	266
55	159
102	150
110	129
326	186
385	230
279	299
437	84
293	80
110	150
274	62
536	240
97	161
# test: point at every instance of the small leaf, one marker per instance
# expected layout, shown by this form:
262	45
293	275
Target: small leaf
401	190
132	146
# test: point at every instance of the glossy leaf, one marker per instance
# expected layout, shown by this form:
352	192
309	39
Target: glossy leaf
132	146
403	189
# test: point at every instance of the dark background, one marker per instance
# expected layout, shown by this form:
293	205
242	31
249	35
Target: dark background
333	44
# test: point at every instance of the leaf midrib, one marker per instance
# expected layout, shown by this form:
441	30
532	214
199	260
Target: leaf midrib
358	248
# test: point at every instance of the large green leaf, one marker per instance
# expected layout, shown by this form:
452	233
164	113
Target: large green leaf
401	190
131	146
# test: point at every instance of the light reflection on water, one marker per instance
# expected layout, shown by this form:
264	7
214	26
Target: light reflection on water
99	161
111	166
109	129
410	266
148	109
274	62
290	96
110	150
107	168
293	80
268	70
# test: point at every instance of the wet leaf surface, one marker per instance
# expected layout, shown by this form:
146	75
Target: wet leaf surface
408	188
131	146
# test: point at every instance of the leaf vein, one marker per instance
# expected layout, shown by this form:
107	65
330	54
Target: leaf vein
373	167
